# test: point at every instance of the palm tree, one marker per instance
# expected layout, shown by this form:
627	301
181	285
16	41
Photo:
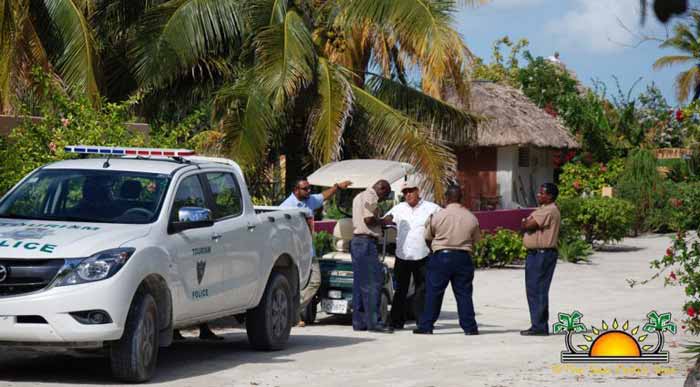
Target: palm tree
320	76
686	38
658	324
571	323
53	34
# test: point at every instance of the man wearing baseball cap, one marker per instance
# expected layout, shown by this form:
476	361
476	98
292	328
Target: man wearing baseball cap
412	252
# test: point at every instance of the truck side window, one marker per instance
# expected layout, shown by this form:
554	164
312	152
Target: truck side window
226	194
189	194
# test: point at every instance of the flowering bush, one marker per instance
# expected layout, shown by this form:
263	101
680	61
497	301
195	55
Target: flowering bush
682	259
578	178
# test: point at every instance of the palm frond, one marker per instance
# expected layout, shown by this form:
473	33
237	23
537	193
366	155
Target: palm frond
423	29
447	122
77	63
286	59
7	46
328	118
685	81
397	137
263	13
248	121
667	61
176	35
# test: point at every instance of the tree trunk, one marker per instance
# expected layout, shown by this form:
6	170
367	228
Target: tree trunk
693	378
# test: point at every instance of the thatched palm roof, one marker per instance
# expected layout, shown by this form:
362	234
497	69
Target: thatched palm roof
510	118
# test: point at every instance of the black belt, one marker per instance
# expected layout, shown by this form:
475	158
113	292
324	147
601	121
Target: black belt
444	251
551	249
365	236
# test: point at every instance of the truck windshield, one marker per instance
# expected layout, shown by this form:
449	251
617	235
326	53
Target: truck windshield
87	196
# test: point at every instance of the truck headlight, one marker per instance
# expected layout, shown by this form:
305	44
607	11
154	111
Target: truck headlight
95	268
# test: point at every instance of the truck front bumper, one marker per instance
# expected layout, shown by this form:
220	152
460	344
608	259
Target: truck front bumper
44	318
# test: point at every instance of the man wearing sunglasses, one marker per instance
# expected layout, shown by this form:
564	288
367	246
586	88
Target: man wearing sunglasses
301	197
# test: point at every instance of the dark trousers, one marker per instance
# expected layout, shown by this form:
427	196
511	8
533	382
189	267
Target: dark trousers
539	270
367	281
403	271
457	268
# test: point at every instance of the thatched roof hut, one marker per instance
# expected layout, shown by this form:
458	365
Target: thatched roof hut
510	118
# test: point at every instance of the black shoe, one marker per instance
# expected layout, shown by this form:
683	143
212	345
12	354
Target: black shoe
472	333
530	332
397	327
177	336
382	329
419	331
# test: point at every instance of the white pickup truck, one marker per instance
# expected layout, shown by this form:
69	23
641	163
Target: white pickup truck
116	252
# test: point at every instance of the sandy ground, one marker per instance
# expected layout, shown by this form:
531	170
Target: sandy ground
331	354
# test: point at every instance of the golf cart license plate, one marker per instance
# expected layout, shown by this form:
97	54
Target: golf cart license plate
334	306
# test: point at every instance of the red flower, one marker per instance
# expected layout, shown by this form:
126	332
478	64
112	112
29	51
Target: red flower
691	311
679	115
675	202
669	252
577	185
672	276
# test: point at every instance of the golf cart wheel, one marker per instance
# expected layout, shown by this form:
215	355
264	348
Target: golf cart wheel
308	315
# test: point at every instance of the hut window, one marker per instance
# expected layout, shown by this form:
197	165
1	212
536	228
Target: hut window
524	157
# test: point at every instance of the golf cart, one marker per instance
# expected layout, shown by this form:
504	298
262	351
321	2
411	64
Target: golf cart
335	293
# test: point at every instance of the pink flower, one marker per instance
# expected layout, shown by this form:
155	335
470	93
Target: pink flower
672	276
603	168
577	185
65	122
52	147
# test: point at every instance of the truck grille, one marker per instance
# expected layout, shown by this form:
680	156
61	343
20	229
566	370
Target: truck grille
26	275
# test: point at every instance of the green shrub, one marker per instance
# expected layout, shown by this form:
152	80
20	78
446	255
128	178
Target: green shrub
601	219
640	183
578	178
499	249
574	250
677	206
323	243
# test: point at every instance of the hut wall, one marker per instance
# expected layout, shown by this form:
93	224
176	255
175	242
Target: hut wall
521	170
476	173
507	161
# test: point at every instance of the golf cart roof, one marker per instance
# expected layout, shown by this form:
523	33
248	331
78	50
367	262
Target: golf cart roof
363	173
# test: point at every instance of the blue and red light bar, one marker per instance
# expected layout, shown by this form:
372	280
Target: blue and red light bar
121	151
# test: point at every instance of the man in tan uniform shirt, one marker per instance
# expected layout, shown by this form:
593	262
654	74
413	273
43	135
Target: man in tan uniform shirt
452	233
368	274
541	236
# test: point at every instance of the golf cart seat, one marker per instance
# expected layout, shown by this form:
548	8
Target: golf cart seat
342	235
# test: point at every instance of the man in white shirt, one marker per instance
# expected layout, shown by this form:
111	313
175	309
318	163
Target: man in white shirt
410	217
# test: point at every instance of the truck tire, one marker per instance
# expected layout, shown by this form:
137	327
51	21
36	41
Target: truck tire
268	325
133	358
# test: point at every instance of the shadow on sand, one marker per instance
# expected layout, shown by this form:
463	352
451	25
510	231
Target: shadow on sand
186	359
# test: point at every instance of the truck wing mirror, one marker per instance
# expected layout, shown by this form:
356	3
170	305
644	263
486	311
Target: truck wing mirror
191	217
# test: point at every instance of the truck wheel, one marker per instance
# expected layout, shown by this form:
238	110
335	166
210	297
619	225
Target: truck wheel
133	358
384	308
308	315
268	325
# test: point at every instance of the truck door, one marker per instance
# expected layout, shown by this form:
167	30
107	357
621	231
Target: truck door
197	271
236	239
